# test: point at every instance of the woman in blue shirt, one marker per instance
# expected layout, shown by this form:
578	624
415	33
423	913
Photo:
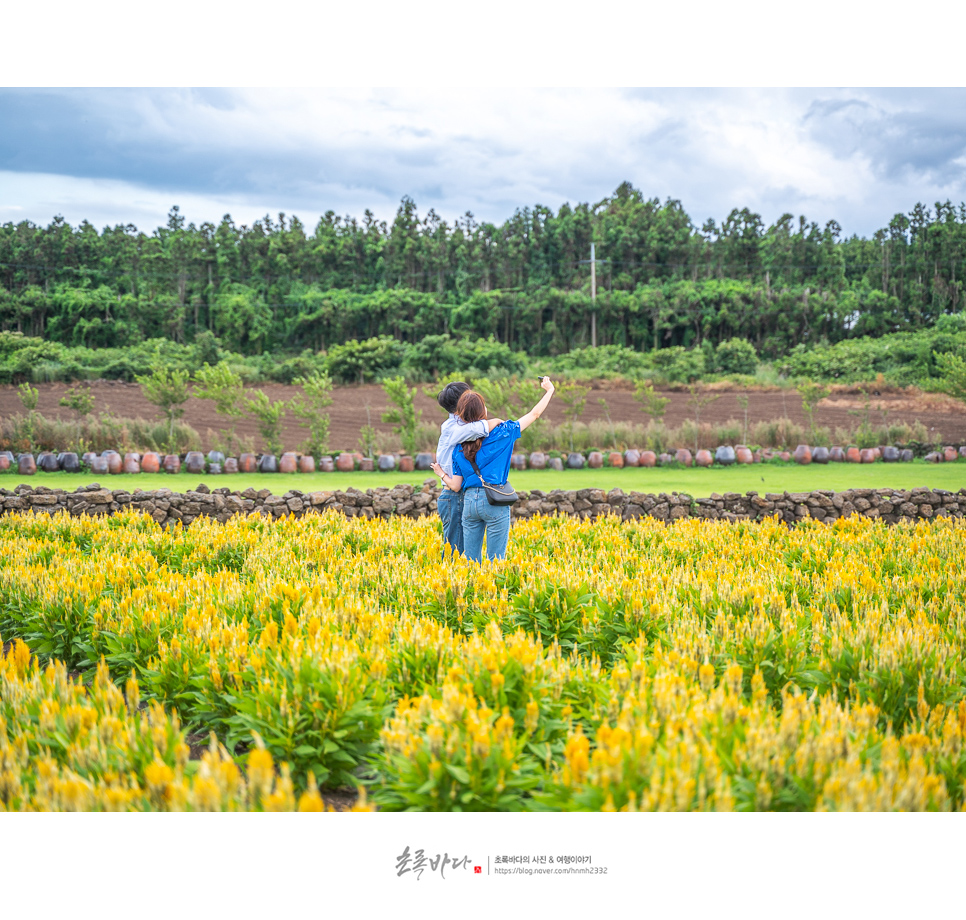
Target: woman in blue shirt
492	456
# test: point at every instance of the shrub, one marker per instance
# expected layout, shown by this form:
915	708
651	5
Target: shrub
358	362
736	356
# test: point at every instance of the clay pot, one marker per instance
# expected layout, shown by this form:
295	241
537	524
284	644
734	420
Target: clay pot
556	463
69	462
214	469
836	455
216	456
115	462
877	452
867	455
725	455
424	462
288	462
406	463
345	463
665	459
48	462
247	463
87	456
703	458
326	465
632	457
231	465
4	462
962	452
933	457
785	455
905	455
171	463
98	465
853	455
950	454
595	460
890	455
387	463
358	457
744	455
538	461
820	455
575	461
306	464
803	454
26	465
367	464
683	456
648	458
616	459
518	461
268	463
150	462
194	461
131	464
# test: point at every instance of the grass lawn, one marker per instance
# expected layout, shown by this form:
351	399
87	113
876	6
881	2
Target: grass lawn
700	483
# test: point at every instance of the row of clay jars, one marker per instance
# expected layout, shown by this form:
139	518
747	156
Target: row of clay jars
946	455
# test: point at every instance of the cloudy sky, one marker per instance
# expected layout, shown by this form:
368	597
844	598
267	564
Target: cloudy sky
127	155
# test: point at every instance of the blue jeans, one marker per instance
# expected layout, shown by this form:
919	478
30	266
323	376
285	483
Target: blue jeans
449	506
480	517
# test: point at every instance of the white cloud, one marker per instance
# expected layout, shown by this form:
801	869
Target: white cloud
856	156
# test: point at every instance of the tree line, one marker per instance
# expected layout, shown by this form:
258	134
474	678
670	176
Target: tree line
662	280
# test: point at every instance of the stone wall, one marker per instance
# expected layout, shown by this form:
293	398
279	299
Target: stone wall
165	506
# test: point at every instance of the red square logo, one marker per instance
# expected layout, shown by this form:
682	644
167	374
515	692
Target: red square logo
478	870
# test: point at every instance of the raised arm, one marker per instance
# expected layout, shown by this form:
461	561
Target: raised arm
527	420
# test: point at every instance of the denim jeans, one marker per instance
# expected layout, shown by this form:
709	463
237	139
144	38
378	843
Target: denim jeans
480	517
449	506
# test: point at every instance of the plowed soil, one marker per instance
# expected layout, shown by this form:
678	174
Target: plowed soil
348	411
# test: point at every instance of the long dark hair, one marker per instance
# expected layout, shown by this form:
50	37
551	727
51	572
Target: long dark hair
471	408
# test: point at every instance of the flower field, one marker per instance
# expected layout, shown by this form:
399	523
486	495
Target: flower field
612	666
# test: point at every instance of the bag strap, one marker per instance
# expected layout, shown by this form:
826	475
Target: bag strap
476	469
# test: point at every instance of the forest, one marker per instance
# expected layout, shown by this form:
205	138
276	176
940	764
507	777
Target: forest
661	280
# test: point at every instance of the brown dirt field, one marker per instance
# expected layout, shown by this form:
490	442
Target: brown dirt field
348	413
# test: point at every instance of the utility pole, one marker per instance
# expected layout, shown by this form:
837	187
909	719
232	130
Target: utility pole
593	292
593	298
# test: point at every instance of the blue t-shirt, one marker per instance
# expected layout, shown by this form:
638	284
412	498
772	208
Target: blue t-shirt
493	458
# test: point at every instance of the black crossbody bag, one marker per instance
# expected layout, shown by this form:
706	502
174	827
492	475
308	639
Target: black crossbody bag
496	495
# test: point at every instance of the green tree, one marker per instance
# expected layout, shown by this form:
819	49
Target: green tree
610	422
224	387
743	405
403	415
952	374
311	407
736	356
367	434
812	394
268	416
652	405
79	401
697	401
29	396
574	398
168	390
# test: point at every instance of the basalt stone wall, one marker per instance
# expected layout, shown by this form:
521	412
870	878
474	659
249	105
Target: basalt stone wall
165	506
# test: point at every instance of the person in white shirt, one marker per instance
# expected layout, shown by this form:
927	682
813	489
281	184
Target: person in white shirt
453	432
